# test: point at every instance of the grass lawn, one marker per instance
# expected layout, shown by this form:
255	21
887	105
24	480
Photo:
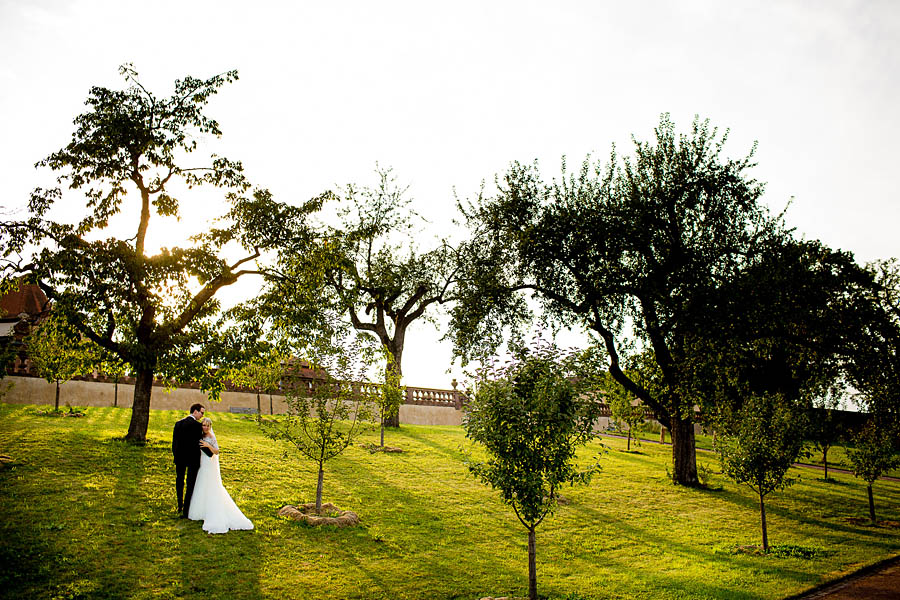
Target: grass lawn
85	515
837	455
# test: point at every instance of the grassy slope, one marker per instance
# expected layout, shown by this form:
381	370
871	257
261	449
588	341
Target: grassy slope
83	514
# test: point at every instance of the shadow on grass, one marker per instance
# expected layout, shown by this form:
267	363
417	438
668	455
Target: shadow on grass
774	507
395	568
646	538
449	452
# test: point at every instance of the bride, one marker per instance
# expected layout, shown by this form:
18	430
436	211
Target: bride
211	502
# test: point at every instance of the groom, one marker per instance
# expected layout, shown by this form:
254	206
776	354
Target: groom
186	449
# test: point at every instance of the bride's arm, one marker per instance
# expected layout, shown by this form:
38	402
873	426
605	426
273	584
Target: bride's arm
208	446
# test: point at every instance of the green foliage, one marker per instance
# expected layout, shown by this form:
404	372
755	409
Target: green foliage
134	150
367	270
639	242
625	407
58	352
761	442
324	420
874	452
788	323
875	360
261	373
758	446
826	426
391	393
531	417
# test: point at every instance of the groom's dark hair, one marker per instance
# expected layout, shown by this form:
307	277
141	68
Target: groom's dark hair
196	407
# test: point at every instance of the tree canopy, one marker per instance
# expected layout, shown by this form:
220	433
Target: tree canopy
132	152
531	416
628	251
367	269
759	445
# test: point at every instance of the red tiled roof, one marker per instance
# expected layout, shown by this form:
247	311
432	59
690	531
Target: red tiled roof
28	299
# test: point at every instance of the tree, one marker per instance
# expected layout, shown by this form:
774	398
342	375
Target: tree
58	353
390	395
153	312
873	455
759	445
626	252
874	365
826	426
531	416
323	421
625	409
368	269
261	374
111	365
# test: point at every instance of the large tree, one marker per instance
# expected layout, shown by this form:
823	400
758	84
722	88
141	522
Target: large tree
625	251
133	152
366	268
788	324
874	365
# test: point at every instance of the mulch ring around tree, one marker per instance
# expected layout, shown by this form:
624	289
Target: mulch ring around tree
330	515
373	448
72	412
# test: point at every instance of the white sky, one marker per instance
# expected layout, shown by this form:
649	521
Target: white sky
450	94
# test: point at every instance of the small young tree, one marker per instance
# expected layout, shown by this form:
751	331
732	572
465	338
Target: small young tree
826	427
531	416
390	396
760	444
261	374
873	456
323	421
626	409
58	353
112	366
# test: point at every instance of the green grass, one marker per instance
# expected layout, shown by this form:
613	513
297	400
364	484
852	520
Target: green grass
85	515
837	455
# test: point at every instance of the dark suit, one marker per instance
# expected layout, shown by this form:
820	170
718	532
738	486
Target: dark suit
186	450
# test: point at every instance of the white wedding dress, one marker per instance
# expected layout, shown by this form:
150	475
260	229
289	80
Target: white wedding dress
211	502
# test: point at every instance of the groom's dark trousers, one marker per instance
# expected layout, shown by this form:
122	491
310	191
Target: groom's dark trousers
186	450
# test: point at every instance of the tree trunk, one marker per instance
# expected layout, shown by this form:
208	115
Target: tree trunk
140	409
825	460
258	404
628	446
684	452
271	406
56	405
662	435
382	429
762	515
116	392
532	567
871	505
319	490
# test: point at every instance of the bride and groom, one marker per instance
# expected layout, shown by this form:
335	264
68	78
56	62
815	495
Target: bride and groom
196	454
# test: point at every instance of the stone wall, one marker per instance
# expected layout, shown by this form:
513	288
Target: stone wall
32	390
